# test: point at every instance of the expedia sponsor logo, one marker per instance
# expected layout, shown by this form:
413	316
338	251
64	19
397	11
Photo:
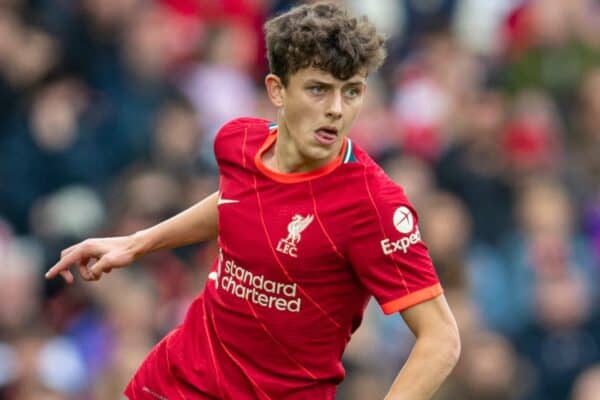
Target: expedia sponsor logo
391	246
404	222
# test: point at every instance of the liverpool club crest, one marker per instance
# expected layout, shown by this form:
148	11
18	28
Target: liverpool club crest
289	244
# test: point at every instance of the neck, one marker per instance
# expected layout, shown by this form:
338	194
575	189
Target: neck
285	156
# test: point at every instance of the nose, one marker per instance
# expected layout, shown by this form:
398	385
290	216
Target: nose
334	108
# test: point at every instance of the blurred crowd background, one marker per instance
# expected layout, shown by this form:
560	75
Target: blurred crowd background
486	112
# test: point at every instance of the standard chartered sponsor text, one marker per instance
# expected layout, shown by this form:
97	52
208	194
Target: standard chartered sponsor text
256	288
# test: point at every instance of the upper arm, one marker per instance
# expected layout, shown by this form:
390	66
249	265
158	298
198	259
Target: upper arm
432	317
209	213
195	224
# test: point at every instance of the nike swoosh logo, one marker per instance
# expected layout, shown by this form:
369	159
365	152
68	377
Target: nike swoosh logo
226	201
152	393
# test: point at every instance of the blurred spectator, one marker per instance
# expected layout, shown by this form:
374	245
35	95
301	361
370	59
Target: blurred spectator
585	141
592	226
20	297
389	16
74	212
532	143
10	27
489	370
29	54
431	85
219	86
446	228
177	139
427	16
545	246
415	177
473	167
144	197
587	385
61	139
376	129
479	24
549	50
563	339
37	373
583	162
371	360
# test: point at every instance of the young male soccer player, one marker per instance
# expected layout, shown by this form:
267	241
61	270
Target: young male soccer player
308	226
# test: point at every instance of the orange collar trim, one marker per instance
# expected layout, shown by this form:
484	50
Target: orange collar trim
294	177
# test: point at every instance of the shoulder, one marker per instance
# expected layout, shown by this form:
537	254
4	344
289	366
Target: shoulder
239	125
375	200
238	132
379	187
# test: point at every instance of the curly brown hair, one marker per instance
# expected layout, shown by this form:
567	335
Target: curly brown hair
323	36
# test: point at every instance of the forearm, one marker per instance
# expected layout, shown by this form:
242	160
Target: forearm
195	224
430	362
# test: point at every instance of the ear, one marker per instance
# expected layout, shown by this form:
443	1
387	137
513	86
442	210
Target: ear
275	90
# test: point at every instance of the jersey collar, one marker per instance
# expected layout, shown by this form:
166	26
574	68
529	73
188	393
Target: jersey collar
296	176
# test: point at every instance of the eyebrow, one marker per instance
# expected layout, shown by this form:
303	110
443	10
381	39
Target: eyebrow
319	82
353	83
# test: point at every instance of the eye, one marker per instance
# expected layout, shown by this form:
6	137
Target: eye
352	92
317	89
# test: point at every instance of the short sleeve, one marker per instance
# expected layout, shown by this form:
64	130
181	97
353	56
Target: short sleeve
386	249
227	137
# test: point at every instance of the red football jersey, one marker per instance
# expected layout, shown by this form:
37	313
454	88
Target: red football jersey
300	255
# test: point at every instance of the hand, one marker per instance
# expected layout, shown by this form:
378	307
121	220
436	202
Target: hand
94	257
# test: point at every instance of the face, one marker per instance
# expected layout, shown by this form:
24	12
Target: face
316	111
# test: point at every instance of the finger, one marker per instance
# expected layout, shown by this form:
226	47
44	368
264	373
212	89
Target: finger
69	250
84	268
63	264
67	275
99	267
85	272
81	251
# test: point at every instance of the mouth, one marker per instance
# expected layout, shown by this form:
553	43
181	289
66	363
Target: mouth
326	135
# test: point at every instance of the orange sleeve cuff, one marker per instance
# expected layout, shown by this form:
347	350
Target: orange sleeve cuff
412	299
